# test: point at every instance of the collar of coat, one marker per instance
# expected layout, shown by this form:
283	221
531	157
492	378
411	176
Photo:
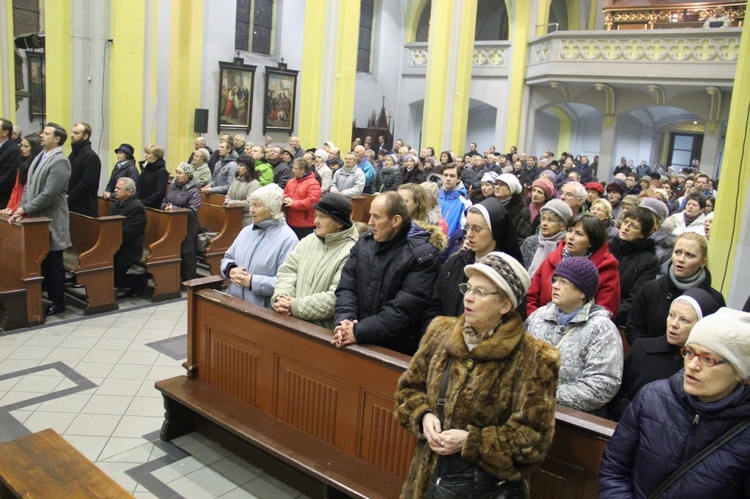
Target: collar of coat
497	347
588	310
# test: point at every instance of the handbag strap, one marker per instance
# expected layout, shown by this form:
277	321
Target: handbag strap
562	340
699	457
443	391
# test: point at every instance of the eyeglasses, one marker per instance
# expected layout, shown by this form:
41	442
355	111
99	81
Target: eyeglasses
550	220
561	281
628	223
473	228
705	360
465	288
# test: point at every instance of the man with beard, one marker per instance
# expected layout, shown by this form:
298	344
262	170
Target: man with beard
85	170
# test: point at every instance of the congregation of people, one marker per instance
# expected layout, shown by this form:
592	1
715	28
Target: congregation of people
515	282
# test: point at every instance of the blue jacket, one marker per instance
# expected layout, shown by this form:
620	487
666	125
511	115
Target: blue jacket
662	429
453	204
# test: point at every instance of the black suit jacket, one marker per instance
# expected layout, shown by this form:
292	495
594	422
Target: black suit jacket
10	160
133	228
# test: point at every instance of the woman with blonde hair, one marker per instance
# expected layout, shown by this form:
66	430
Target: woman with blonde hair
151	186
602	209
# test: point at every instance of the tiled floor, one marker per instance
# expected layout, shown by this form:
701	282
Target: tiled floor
92	380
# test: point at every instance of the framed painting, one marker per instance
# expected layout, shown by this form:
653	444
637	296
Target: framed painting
37	93
280	99
235	96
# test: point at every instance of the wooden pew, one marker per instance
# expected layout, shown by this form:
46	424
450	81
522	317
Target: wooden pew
212	198
90	259
23	246
361	207
44	464
257	380
165	231
227	222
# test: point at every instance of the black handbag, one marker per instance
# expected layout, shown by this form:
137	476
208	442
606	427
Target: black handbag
455	477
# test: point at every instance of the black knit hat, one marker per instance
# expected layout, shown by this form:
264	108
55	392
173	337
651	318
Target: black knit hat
581	272
336	206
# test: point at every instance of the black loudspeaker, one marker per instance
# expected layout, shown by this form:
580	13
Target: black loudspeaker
201	121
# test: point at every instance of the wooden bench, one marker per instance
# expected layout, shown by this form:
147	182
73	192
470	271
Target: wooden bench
24	244
259	381
44	464
165	231
361	207
226	221
212	198
90	259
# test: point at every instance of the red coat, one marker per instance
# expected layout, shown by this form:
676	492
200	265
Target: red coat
305	193
608	294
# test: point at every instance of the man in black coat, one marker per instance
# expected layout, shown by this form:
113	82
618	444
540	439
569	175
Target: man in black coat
386	283
85	170
10	160
133	233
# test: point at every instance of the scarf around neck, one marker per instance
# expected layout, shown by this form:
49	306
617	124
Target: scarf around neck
685	283
545	248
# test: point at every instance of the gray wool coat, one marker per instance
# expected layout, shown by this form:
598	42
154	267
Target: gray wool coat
45	195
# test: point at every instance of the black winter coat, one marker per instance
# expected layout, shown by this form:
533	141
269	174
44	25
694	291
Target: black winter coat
650	308
133	229
520	218
638	265
415	176
83	186
125	169
10	161
386	287
152	183
650	359
527	176
387	179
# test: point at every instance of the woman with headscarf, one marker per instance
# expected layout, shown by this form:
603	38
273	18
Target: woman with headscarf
183	193
479	394
488	228
542	190
323	170
689	435
389	176
588	342
555	216
245	183
652	359
253	260
125	167
412	172
508	191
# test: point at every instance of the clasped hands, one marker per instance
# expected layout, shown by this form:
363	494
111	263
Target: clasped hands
343	334
446	442
13	216
240	277
283	305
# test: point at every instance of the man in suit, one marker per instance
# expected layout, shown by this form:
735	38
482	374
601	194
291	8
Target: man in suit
85	170
46	196
10	160
133	232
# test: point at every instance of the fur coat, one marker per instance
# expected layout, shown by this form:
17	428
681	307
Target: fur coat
506	400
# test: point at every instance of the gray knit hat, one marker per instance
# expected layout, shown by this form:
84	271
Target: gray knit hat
559	208
271	196
726	333
581	272
505	272
655	206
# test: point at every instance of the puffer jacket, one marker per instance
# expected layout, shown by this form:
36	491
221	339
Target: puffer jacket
662	429
305	193
607	296
591	369
650	308
386	286
505	399
638	265
453	204
311	273
225	172
388	179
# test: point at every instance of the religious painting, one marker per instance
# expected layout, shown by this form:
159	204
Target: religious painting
235	96
37	94
280	99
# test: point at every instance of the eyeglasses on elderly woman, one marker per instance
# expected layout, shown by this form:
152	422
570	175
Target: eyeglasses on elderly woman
465	288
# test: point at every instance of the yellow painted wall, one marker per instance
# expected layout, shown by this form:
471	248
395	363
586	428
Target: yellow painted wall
346	74
565	130
520	18
461	98
10	68
58	62
436	81
311	84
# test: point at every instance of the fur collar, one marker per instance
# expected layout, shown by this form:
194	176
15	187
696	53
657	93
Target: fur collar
498	347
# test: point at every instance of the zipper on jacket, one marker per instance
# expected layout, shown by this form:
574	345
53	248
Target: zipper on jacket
696	419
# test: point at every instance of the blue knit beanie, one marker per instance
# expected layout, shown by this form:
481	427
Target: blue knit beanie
581	272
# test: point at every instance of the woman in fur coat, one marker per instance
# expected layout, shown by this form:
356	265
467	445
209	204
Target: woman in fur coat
499	411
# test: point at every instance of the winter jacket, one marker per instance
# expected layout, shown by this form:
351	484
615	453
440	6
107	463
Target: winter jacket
123	169
446	299
311	273
650	307
305	193
202	175
664	244
472	177
10	161
260	249
369	172
388	179
415	176
607	296
239	195
591	369
505	399
348	183
133	229
528	175
638	265
662	429
650	359
83	186
226	171
151	185
452	205
266	172
189	197
520	217
386	286
326	177
282	173
677	222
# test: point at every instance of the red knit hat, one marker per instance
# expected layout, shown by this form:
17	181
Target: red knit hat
595	186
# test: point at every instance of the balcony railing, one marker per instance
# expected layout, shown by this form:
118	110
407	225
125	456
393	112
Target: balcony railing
489	58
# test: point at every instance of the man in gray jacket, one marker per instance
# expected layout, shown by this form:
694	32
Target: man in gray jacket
46	196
